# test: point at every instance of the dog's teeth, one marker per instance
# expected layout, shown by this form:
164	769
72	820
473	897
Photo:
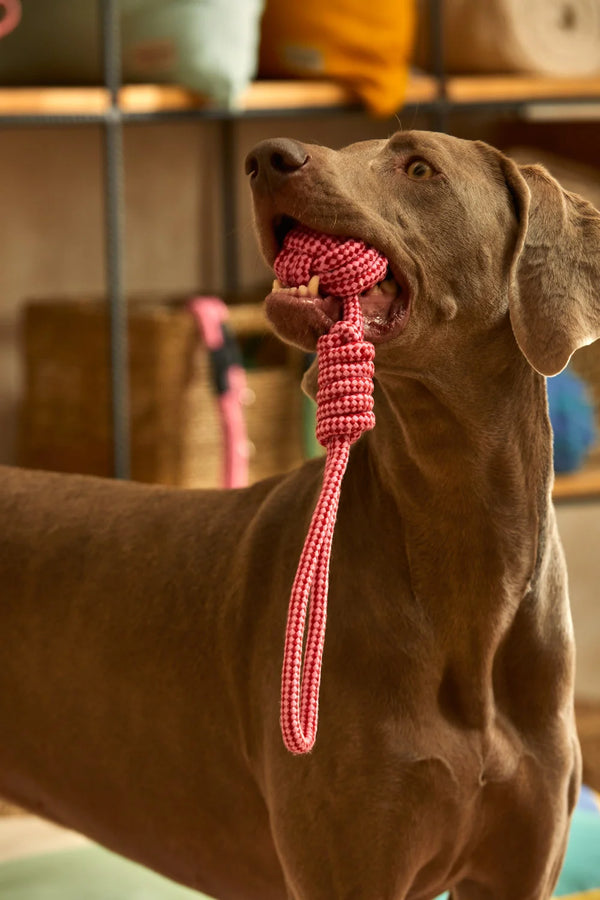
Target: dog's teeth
313	286
277	285
303	290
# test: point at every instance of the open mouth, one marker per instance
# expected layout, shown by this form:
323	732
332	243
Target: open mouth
302	313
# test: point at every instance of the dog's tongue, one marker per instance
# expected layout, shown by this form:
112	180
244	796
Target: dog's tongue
377	302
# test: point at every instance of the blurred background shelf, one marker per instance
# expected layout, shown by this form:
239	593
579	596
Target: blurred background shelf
492	89
277	97
143	99
581	485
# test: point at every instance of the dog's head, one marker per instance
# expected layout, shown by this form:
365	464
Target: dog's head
476	245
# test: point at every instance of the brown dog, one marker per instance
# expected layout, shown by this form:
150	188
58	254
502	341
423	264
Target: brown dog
143	626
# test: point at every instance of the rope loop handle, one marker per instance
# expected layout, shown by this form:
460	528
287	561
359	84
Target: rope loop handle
346	268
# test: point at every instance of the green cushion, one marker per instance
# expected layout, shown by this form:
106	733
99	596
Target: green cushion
210	46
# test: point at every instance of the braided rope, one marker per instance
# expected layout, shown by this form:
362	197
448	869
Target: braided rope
346	268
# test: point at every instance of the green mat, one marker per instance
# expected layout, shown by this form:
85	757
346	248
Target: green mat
581	870
85	873
91	873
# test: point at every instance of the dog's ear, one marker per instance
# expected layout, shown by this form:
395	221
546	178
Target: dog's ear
554	298
310	380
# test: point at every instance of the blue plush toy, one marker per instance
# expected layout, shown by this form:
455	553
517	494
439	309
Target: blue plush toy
572	419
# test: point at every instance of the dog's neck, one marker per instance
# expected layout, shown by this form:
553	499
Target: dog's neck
462	437
468	474
471	446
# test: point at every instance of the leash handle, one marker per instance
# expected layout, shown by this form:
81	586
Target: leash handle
344	413
229	379
300	683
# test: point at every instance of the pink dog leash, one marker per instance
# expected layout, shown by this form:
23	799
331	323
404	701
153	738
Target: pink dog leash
11	18
229	377
346	268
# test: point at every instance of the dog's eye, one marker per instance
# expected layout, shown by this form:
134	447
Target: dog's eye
419	170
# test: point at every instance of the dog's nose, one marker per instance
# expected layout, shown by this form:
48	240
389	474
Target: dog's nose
272	161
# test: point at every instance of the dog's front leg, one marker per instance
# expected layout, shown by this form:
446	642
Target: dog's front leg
509	875
338	851
471	890
348	821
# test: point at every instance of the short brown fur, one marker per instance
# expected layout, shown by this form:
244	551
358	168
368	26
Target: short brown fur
143	626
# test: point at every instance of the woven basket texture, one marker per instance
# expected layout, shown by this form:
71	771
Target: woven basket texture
65	421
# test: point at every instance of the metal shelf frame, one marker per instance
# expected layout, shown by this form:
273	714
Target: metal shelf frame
114	239
113	120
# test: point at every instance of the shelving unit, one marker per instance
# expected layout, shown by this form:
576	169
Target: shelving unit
115	105
283	98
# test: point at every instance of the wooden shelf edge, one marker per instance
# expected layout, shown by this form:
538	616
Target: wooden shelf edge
271	96
506	88
142	99
582	485
50	101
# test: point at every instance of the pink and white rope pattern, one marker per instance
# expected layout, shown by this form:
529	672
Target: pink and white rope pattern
346	268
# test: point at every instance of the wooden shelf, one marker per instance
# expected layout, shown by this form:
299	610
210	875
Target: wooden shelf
142	99
515	88
275	95
272	96
582	485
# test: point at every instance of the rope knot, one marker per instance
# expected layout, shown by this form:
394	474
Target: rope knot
346	267
345	394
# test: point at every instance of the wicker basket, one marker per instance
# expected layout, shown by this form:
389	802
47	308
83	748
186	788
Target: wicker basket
65	422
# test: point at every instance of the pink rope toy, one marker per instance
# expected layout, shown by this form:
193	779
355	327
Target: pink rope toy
346	268
11	18
211	316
